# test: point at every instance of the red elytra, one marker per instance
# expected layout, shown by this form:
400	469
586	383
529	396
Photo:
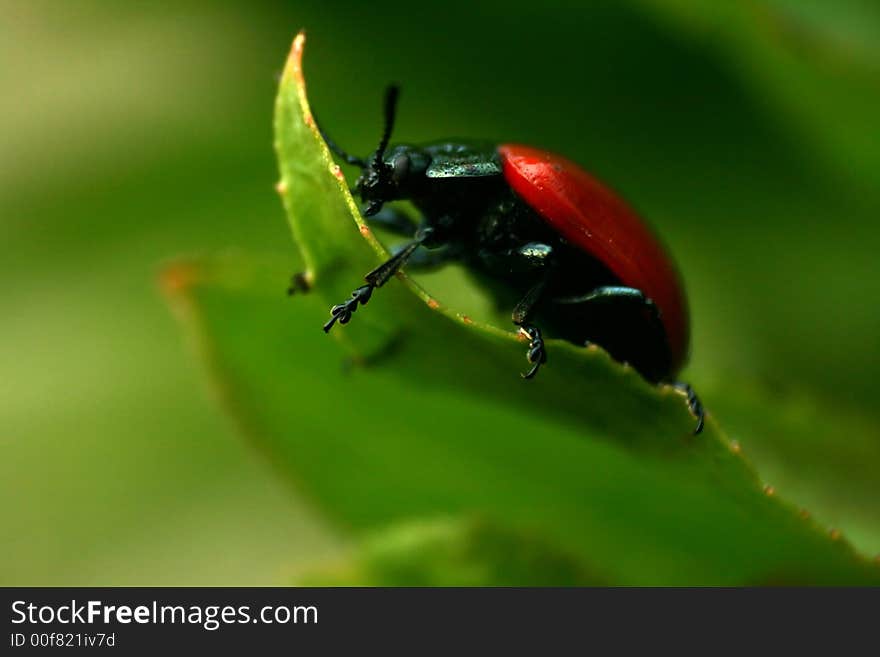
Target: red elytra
593	218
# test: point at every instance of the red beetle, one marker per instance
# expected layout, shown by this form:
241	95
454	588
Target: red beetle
542	235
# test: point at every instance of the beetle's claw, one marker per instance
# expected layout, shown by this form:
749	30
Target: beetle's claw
536	354
531	373
342	312
695	406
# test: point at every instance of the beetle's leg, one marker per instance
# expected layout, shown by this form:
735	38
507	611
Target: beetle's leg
632	295
531	257
614	293
394	221
607	293
426	260
536	354
298	283
342	312
381	274
695	406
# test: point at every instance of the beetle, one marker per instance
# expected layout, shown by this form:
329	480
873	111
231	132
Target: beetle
542	235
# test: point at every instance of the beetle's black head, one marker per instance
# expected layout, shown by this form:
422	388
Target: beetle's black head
376	184
386	176
391	176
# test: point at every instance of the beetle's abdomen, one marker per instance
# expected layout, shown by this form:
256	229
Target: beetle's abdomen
594	219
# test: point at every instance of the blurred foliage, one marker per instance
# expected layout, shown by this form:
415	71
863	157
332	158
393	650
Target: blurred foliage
451	552
138	132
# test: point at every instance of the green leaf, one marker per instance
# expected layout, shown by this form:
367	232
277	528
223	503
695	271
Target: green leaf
448	552
820	456
372	446
817	61
435	421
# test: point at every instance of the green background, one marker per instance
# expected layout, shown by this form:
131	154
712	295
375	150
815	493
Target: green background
131	135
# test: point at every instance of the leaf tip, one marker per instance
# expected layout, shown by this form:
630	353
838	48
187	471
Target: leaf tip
294	59
293	72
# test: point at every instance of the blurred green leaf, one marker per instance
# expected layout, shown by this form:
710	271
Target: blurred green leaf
448	552
818	61
604	469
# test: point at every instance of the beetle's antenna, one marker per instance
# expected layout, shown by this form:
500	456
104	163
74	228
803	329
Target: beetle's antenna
391	94
350	159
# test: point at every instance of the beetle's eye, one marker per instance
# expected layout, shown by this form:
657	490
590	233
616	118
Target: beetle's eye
400	167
